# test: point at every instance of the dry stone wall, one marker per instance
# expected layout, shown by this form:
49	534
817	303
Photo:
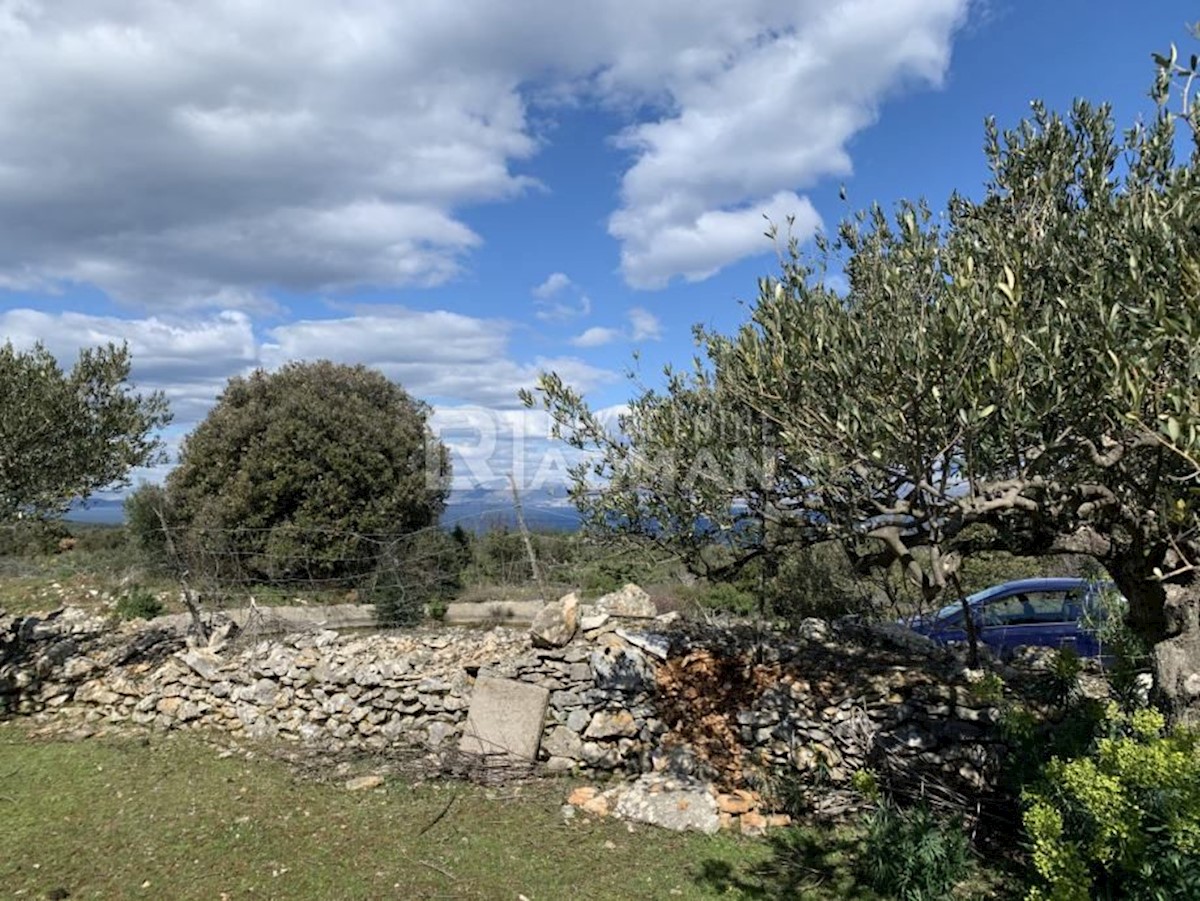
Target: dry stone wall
627	693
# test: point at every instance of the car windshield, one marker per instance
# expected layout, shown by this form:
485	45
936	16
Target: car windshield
948	611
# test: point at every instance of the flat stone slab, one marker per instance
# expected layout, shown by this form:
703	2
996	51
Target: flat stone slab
283	620
507	613
505	718
669	803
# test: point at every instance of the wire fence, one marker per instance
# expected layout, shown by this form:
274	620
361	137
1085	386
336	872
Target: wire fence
409	574
405	574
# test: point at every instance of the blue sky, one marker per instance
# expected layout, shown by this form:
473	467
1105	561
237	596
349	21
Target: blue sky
465	194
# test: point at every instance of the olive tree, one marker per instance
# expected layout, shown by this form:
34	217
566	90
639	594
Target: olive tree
1018	372
65	435
689	468
313	471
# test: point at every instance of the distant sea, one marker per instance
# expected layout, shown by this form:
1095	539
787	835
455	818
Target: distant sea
476	509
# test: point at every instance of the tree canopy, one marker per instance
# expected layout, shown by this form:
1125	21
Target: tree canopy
308	471
65	435
1018	371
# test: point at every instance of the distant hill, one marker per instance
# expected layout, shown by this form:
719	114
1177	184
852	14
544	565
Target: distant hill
476	509
103	511
481	509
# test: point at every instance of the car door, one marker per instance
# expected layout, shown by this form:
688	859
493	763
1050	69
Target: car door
1024	617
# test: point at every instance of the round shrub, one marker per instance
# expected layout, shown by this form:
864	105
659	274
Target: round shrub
307	473
139	603
1123	820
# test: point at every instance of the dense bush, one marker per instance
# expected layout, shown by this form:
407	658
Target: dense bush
724	597
32	537
1123	820
599	577
146	510
308	472
498	556
139	603
98	538
912	854
815	581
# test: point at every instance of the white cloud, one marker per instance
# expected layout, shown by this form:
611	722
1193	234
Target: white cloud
561	310
555	283
644	324
658	247
596	336
437	356
167	153
175	154
433	354
188	359
558	299
773	116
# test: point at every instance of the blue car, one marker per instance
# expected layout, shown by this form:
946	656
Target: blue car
1052	613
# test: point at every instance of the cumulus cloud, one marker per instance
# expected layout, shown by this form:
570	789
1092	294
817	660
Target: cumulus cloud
188	359
644	325
773	116
438	356
167	153
596	336
555	283
435	355
558	299
659	246
179	155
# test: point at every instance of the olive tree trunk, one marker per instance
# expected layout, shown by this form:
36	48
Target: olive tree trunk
1167	616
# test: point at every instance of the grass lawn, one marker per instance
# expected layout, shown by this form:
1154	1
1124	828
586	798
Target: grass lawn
169	818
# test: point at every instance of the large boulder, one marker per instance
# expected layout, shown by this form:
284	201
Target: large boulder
556	623
630	602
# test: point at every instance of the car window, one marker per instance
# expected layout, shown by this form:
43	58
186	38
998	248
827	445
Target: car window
1032	607
950	616
1103	600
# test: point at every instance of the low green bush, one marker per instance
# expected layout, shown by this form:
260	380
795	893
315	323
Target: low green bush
913	854
139	603
1065	667
724	596
31	538
1123	819
600	579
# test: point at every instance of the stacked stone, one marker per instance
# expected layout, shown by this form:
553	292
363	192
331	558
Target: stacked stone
818	704
324	689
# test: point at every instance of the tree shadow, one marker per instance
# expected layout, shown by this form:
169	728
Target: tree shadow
802	863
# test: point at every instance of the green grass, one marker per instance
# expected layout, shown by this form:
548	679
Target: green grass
167	817
102	818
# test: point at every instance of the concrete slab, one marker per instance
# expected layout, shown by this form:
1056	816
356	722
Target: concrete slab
505	718
507	613
282	620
